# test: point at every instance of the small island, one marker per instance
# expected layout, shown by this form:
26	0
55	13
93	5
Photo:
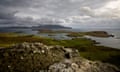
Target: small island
52	31
91	33
77	34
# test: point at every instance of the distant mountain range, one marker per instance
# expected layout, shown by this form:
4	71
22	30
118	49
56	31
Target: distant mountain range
51	27
42	27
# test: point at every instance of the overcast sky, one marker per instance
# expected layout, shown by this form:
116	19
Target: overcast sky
74	13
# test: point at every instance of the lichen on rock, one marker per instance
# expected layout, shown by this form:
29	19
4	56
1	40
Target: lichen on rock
36	57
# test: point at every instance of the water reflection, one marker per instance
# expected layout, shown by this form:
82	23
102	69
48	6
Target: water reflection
109	42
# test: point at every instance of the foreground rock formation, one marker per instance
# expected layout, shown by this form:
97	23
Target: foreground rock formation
37	57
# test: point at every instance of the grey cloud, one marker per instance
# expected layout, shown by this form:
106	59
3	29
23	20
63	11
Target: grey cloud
98	23
15	3
35	12
61	8
7	15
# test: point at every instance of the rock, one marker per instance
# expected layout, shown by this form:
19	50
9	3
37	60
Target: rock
21	57
37	57
9	66
85	66
43	51
74	66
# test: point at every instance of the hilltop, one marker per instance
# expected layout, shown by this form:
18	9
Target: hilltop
37	57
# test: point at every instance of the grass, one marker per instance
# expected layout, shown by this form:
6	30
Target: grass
91	33
86	47
6	40
52	31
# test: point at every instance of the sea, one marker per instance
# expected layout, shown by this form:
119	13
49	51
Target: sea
113	42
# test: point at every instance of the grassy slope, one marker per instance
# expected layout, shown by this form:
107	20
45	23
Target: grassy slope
86	47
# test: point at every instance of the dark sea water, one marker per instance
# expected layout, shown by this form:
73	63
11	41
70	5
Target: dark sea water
109	42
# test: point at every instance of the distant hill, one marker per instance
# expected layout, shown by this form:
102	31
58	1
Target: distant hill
39	27
51	27
15	27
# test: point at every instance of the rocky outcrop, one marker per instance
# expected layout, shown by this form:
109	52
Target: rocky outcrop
37	57
82	66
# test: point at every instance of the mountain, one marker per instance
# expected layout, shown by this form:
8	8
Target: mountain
51	27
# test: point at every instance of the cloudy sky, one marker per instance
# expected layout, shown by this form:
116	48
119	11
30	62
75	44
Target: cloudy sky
74	13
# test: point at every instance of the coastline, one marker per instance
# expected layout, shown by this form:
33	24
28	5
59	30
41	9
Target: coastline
87	47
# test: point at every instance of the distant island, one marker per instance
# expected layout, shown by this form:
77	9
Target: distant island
90	33
50	27
39	27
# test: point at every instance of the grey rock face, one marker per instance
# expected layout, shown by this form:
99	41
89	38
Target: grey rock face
83	66
37	57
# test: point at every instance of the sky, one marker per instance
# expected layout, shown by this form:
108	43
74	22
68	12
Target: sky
72	13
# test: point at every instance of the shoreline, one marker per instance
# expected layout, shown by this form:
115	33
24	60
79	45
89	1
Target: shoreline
70	35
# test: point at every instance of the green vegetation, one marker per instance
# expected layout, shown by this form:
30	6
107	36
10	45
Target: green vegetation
86	47
53	31
7	39
76	34
99	34
91	33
